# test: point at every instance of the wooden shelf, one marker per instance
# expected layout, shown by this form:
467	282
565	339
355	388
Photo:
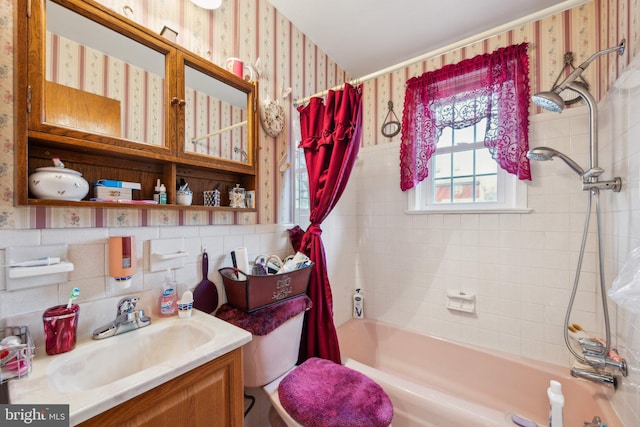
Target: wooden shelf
89	204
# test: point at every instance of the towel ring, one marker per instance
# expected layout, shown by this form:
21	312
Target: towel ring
390	128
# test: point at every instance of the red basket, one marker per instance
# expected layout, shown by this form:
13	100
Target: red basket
250	293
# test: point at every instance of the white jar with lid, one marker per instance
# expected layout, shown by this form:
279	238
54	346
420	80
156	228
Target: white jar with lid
58	183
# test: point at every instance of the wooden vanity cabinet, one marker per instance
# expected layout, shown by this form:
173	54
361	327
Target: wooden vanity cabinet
99	134
208	396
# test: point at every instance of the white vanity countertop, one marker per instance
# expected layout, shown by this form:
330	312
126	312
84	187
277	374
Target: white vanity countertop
68	378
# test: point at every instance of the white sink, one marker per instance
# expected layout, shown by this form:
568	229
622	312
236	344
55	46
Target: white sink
111	359
100	374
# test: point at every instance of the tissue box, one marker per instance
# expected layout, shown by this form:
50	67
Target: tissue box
112	193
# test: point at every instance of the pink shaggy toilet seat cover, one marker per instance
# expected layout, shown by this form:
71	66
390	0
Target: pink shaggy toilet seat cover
321	393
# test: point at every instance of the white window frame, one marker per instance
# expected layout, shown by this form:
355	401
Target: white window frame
301	215
512	194
514	191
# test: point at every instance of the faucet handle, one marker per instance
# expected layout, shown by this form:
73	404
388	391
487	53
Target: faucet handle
596	422
127	304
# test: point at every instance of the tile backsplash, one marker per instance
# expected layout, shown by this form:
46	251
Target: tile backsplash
99	293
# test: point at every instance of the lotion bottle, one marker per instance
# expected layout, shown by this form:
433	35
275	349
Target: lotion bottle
556	403
160	193
358	306
169	297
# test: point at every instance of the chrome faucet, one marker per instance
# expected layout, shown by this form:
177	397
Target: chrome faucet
596	422
600	363
596	376
127	319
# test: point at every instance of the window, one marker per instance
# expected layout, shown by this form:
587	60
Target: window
465	177
465	134
301	189
463	170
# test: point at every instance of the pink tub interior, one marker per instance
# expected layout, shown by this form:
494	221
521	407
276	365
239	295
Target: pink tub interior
500	382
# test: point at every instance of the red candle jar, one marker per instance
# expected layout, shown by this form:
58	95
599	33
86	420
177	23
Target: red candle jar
60	326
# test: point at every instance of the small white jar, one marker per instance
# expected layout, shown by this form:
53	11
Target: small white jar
184	198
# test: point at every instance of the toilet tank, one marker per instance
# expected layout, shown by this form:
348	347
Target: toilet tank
266	357
275	337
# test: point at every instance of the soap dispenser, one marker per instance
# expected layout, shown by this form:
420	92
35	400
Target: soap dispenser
169	297
122	259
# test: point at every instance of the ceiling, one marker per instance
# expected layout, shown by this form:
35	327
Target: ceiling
364	40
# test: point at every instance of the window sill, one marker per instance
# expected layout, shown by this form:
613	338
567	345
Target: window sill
470	211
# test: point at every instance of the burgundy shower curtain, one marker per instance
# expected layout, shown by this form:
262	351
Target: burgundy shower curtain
331	134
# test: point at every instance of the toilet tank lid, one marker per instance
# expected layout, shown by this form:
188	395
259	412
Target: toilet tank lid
264	321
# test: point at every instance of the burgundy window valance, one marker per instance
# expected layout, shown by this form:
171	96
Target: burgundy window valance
493	86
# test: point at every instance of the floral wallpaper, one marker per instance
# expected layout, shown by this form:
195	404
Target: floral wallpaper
252	29
7	213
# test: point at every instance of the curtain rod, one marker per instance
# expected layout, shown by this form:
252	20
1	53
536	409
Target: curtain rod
552	10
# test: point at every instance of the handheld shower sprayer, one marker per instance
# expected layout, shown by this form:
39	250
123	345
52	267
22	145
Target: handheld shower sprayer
552	100
546	153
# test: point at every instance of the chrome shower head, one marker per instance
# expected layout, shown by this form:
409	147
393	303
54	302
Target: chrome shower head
546	153
549	101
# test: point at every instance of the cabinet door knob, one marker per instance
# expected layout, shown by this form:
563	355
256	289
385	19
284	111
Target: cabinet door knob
180	102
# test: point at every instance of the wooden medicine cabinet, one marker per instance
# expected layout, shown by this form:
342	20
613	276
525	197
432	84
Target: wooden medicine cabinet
114	100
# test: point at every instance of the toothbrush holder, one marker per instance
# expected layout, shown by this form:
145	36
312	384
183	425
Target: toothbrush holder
60	328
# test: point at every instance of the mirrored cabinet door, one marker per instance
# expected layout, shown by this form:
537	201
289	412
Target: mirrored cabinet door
97	81
219	116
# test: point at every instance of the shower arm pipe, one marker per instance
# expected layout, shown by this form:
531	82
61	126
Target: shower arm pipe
590	178
594	170
580	69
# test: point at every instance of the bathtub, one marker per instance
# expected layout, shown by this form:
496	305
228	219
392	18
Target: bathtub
438	383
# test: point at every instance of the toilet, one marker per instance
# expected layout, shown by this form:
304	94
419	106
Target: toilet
318	392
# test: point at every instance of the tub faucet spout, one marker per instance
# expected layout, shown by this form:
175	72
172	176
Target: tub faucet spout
595	376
